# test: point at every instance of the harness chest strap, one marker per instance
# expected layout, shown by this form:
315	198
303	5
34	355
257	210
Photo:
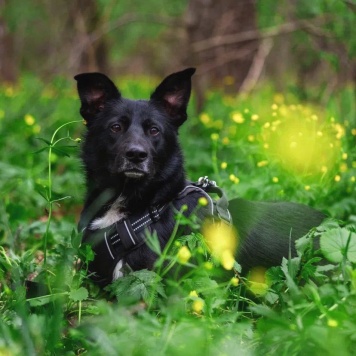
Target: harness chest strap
131	231
115	242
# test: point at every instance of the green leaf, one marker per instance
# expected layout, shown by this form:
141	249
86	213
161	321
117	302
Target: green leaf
63	150
78	295
43	300
76	239
44	140
41	150
153	242
139	285
42	191
338	243
328	224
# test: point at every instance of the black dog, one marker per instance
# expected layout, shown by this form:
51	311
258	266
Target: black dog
136	181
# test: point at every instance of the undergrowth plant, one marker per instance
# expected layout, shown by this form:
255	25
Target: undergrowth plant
194	302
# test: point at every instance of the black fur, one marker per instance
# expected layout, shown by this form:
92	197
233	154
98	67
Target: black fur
131	150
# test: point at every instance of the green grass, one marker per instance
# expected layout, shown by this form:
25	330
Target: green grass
264	147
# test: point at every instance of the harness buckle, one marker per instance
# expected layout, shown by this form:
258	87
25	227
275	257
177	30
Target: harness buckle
154	213
204	182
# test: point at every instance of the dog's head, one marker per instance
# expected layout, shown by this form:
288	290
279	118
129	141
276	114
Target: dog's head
132	139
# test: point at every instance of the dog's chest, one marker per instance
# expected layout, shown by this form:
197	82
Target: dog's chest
113	215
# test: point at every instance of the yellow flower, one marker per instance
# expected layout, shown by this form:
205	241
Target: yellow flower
353	132
314	117
223	165
337	178
198	305
254	117
234	281
262	163
353	179
238	118
251	138
184	255
344	155
332	323
275	179
324	169
205	118
307	187
343	167
29	119
208	265
202	201
274	107
340	131
193	294
234	179
267	125
227	260
225	141
278	98
214	136
221	239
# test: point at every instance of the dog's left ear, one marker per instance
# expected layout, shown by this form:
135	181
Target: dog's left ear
173	94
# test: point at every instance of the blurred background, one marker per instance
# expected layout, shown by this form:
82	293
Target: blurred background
272	116
235	44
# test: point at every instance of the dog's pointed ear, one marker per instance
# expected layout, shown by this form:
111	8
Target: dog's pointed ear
95	90
173	94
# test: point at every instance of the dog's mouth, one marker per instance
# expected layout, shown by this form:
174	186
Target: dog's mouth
134	174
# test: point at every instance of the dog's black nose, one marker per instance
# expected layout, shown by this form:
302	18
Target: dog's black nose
136	154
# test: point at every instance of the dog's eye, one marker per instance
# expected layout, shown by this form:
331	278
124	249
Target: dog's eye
115	128
153	131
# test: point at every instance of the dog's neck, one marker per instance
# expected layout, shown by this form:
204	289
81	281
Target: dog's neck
128	196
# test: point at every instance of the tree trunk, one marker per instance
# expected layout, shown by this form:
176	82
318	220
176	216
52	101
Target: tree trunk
207	23
8	72
89	53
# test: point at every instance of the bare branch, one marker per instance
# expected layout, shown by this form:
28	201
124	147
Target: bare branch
289	27
131	18
257	65
224	59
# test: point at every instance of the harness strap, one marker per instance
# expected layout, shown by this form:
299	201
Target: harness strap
113	243
130	231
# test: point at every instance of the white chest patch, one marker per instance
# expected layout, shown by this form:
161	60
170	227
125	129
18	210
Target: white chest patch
112	216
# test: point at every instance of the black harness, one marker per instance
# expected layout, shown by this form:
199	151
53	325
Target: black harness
113	243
